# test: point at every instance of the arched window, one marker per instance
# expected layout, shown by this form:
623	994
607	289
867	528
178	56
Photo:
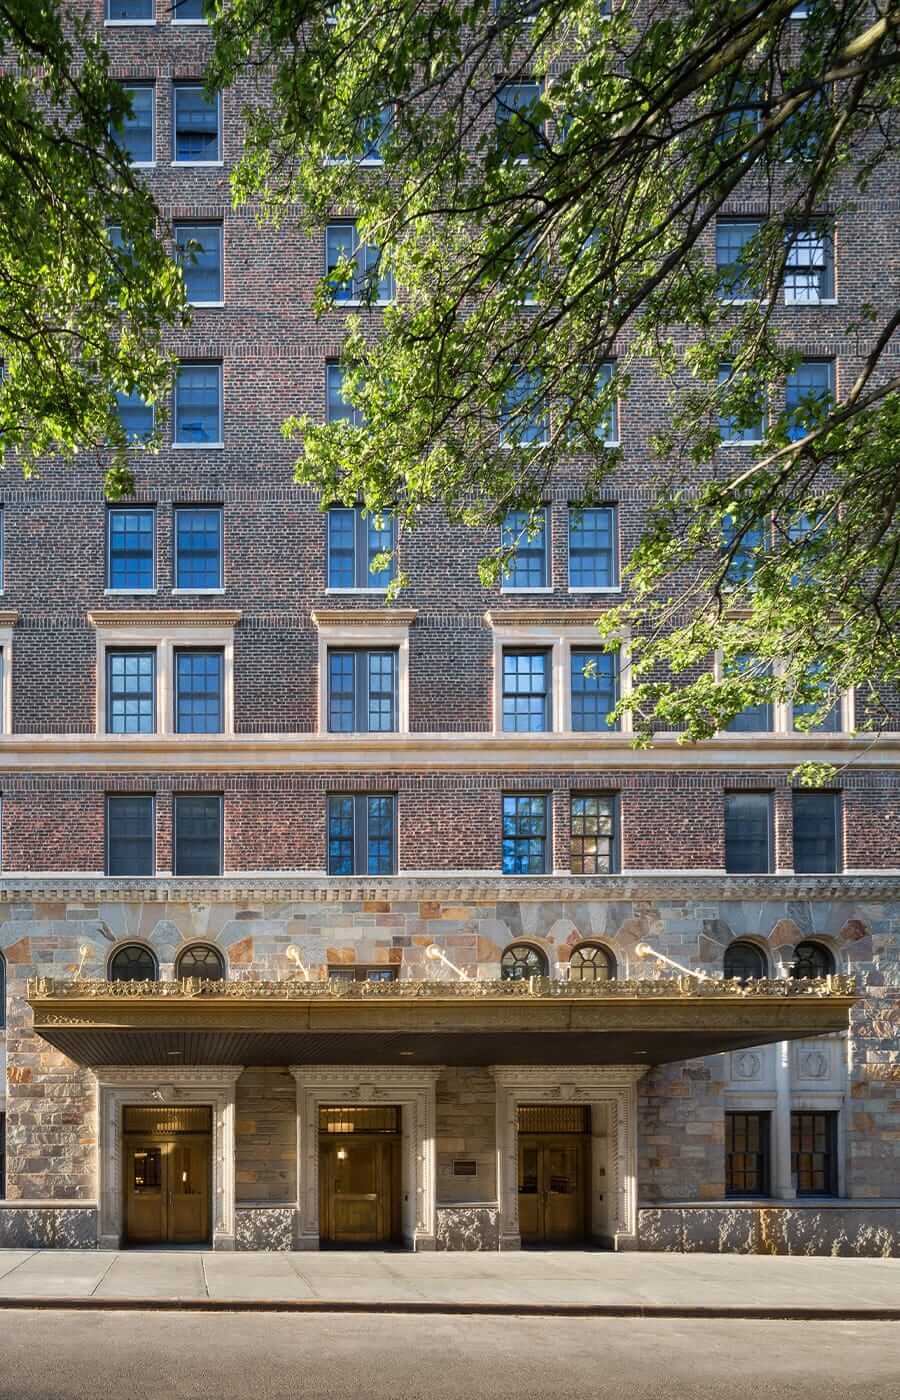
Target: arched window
812	960
591	962
135	962
521	960
201	961
2	990
745	961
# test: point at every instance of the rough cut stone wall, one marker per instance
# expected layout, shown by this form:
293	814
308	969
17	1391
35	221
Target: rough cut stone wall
681	1133
466	1129
266	1136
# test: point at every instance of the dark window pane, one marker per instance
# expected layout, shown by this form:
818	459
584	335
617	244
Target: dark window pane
201	961
593	835
198	835
380	836
198	548
526	694
755	719
730	430
518	129
129	9
528	566
732	239
199	251
815	832
340	835
135	962
369	281
747	833
131	549
198	404
362	691
809	271
190	9
593	696
129	835
198	692
136	416
355	540
745	545
809	392
522	960
196	125
812	960
136	136
523	417
362	835
747	1154
131	692
745	962
524	834
591	962
813	1153
592	547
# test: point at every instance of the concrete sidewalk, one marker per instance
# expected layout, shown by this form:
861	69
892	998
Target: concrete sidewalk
583	1283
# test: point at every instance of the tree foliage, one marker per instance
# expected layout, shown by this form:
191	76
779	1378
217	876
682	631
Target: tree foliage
80	317
552	175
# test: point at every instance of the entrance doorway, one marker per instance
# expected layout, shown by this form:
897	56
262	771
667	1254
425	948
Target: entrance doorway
167	1156
359	1176
554	1158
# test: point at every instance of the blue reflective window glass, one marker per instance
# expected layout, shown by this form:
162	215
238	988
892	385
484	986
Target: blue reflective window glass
609	429
129	9
524	834
341	548
362	691
198	404
528	566
340	835
198	692
593	695
369	281
735	280
131	692
196	134
136	135
362	835
526	692
339	409
190	9
523	416
374	132
592	547
519	130
355	540
380	836
808	394
730	430
199	251
136	416
198	547
829	723
130	555
747	550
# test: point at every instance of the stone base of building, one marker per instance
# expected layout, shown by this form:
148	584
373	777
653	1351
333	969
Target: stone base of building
48	1224
841	1229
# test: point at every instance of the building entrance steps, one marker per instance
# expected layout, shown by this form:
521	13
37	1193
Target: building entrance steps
551	1282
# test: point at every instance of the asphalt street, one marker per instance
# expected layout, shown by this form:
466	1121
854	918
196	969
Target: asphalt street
59	1355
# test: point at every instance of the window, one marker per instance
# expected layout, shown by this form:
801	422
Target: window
196	126
744	117
136	134
593	561
594	687
130	11
737	430
134	962
745	545
337	408
2	990
362	692
130	549
812	960
745	962
189	11
522	960
523	417
198	692
829	723
198	250
355	540
198	548
198	834
519	127
814	1154
732	238
528	535
130	692
362	835
816	826
374	132
202	961
526	691
809	392
747	1154
525	831
591	962
754	718
809	270
593	834
802	132
361	972
801	11
608	429
136	416
371	281
198	405
747	833
129	835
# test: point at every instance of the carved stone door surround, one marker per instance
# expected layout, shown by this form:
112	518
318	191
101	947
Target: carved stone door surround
610	1088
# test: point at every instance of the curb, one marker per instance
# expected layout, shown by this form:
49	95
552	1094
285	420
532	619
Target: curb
326	1305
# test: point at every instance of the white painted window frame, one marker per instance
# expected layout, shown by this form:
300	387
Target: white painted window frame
559	638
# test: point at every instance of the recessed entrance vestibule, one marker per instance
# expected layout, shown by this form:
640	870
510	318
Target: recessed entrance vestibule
554	1173
359	1176
166	1155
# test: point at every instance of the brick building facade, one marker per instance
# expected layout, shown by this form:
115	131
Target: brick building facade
555	840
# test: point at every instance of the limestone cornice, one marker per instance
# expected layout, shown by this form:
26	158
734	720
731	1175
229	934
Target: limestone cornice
164	617
533	615
88	892
371	617
8	617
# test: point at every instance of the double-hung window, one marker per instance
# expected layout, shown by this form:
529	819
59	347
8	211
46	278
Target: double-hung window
130	11
735	278
816	832
362	834
519	125
754	718
739	429
593	836
136	133
527	535
198	405
748	836
198	548
369	280
337	407
814	1153
198	833
374	132
809	392
131	532
744	548
526	690
593	557
362	691
747	1162
130	691
525	833
829	723
189	12
608	428
593	689
136	416
196	126
355	540
129	834
199	251
523	413
809	267
199	687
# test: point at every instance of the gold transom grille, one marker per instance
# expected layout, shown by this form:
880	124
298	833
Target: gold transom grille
167	1119
385	1118
554	1118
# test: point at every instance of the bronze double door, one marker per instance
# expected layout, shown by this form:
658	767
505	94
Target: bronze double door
553	1189
167	1188
359	1200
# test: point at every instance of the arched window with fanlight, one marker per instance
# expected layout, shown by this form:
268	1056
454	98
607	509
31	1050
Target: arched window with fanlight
522	960
744	961
812	960
591	962
133	962
201	960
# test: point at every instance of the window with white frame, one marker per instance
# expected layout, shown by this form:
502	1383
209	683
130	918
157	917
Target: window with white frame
519	124
339	409
130	11
131	549
198	549
189	12
165	677
524	421
198	249
527	534
198	405
368	280
744	428
593	552
136	416
608	429
356	540
808	396
809	267
196	125
136	134
733	237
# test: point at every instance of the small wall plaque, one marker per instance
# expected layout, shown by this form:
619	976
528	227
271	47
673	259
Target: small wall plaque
465	1167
